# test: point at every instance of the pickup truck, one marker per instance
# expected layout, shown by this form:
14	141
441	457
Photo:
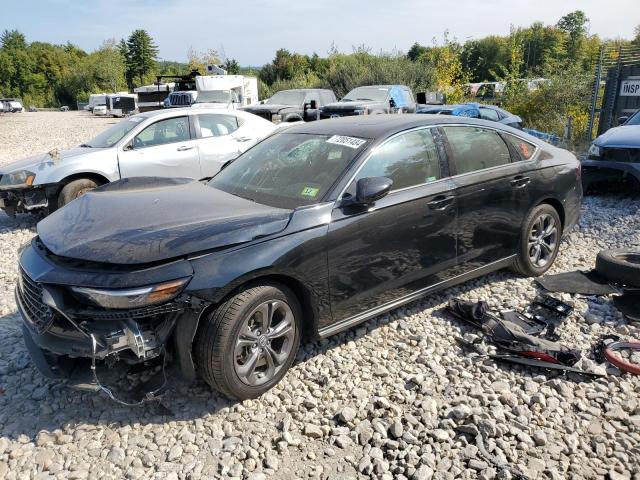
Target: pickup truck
293	105
372	100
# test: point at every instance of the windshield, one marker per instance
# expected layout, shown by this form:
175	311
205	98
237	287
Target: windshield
634	120
287	97
378	94
214	96
114	134
289	170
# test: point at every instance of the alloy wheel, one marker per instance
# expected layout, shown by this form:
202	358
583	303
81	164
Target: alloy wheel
264	342
542	241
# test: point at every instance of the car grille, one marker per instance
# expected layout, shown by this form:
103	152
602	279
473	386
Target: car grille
336	113
38	315
134	314
180	99
628	155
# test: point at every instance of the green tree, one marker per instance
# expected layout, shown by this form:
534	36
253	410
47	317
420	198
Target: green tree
481	58
13	40
142	53
575	24
636	40
232	66
416	51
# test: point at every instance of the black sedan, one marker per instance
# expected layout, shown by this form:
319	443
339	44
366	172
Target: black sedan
312	231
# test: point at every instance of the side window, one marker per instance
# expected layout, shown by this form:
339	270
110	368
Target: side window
475	148
489	114
408	159
328	97
312	96
217	125
165	131
525	149
408	97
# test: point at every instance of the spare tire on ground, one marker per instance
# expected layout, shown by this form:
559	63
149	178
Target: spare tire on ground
620	266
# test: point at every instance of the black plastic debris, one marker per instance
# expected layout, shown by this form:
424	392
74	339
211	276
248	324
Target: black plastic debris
510	336
584	283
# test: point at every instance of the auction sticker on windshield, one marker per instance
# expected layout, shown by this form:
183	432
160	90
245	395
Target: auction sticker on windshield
351	142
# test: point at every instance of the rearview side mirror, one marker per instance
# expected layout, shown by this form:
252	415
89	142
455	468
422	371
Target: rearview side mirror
371	189
623	119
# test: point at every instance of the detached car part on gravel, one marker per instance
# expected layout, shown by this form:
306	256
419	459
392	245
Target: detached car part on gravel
312	231
184	143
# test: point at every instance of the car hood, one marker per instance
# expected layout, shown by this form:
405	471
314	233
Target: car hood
622	137
148	219
351	105
43	161
273	108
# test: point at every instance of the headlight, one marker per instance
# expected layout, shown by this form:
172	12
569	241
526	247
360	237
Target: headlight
361	111
595	150
132	297
23	177
276	118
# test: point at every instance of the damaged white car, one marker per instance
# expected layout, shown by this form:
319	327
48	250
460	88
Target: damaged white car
186	143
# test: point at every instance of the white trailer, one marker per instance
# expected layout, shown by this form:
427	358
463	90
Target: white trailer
151	97
226	91
120	105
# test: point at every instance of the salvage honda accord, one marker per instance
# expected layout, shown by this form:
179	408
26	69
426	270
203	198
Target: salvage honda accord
308	233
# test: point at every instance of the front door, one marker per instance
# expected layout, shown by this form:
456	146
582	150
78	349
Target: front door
403	243
165	148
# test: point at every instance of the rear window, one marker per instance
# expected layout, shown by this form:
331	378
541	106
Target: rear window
525	149
475	148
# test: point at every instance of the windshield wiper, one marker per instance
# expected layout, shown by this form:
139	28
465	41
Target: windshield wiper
246	198
370	99
86	145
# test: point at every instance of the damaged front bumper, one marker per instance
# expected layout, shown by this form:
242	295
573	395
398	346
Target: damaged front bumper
27	198
122	352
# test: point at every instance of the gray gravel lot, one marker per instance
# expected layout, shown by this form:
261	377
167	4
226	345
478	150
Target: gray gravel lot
394	398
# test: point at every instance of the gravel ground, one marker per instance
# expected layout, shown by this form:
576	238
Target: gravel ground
394	398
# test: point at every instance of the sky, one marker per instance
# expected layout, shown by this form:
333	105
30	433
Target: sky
252	30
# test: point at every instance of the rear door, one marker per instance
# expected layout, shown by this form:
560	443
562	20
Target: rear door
403	243
492	194
166	148
217	140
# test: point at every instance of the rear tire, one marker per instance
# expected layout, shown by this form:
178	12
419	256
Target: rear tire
75	189
539	241
247	344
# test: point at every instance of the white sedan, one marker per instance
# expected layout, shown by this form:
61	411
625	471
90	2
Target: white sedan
183	142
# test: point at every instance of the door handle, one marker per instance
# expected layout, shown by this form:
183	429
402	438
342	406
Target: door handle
184	148
520	181
242	139
441	202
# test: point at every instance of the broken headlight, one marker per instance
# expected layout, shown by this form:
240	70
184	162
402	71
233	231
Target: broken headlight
595	150
132	297
21	177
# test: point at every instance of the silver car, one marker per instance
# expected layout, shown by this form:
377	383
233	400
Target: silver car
191	143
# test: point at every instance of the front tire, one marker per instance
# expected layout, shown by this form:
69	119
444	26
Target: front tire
75	189
246	345
539	241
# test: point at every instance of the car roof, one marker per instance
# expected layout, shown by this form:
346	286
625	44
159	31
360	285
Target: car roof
382	126
185	110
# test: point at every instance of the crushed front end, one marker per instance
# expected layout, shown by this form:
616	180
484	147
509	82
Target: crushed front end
94	326
26	198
